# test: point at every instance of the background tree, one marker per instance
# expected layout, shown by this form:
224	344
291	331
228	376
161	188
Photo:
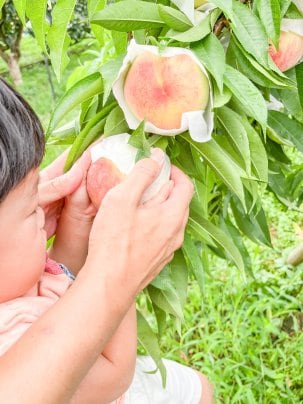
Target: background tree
11	29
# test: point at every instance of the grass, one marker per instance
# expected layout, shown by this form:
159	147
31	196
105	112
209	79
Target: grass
246	336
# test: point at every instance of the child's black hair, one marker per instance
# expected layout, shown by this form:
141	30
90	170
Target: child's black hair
22	140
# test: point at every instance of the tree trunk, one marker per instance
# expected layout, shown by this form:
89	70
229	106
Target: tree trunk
14	69
296	255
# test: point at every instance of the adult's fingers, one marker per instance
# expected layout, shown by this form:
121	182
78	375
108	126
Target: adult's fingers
63	185
161	196
59	187
143	175
54	169
182	191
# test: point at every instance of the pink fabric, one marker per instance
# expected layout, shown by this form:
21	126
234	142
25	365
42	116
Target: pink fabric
17	315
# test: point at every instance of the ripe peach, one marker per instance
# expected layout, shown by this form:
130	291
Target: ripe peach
112	160
101	177
290	50
160	88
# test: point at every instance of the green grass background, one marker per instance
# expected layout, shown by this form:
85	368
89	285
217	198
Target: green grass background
245	335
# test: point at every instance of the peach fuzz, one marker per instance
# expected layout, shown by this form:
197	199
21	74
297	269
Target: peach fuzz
160	89
290	51
101	177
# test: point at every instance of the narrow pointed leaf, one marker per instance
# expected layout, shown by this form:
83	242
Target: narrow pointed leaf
250	32
211	53
247	94
20	6
131	16
150	342
270	15
78	93
174	18
286	128
36	12
57	38
229	172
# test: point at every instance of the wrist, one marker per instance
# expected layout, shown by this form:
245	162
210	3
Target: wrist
121	292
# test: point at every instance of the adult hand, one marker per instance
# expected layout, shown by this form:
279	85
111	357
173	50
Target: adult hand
134	241
54	186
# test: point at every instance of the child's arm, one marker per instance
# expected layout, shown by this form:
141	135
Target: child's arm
113	371
70	246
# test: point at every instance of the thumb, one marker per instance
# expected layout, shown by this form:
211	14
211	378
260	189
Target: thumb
143	175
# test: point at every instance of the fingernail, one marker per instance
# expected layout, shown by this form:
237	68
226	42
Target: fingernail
157	155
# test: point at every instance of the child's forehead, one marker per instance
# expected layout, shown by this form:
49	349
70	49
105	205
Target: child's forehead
27	189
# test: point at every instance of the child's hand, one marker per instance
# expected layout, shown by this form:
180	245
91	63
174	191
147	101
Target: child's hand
78	205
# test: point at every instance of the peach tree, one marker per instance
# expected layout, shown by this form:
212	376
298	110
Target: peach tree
216	84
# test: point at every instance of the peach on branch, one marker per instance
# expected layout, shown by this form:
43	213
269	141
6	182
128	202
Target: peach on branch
290	49
169	90
112	160
159	89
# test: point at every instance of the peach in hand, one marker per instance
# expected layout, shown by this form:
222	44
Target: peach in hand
112	160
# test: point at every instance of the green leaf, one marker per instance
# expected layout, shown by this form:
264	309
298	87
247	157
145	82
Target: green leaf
226	6
250	32
78	93
93	6
195	33
128	16
150	342
36	12
230	121
120	41
193	257
57	37
290	98
222	165
167	300
258	153
115	122
241	60
247	94
174	19
139	141
92	130
1	3
195	228
20	6
179	275
228	228
284	4
252	224
223	241
299	77
109	73
211	53
270	15
286	128
161	317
